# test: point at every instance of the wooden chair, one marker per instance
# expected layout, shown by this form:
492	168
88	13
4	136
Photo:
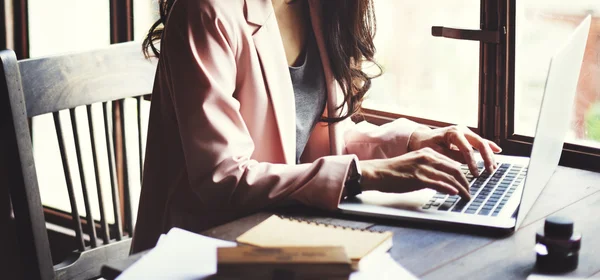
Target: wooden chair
34	87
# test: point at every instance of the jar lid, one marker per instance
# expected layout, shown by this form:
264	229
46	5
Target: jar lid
558	227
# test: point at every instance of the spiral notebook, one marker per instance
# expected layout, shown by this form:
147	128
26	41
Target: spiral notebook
288	232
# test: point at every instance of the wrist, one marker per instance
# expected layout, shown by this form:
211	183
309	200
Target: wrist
414	140
369	177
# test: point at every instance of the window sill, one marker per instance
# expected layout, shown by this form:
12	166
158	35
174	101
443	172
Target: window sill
380	116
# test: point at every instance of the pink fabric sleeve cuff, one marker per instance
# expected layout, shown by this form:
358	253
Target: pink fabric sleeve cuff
368	141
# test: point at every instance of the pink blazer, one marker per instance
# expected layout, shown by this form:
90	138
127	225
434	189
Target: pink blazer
221	139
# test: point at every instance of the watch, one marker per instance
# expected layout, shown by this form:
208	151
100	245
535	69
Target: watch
352	184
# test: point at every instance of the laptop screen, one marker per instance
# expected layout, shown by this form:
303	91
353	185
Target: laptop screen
555	116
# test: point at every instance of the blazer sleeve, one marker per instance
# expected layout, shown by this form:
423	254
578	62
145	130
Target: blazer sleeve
200	49
368	141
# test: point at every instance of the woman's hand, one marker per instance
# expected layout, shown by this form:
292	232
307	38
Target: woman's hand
457	143
415	170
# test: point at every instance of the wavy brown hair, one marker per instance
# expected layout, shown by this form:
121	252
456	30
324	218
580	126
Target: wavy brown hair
349	27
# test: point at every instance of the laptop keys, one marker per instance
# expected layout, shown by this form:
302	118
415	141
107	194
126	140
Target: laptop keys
460	205
484	212
446	205
489	192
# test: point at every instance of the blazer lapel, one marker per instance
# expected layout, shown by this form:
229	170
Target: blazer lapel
271	53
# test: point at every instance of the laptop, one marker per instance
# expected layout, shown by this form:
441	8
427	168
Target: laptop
499	200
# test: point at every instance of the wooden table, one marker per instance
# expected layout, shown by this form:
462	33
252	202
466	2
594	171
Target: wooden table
440	253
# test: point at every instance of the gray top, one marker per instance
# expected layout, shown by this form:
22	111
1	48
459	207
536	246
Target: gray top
310	91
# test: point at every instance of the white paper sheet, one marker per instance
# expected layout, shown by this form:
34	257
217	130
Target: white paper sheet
382	267
179	254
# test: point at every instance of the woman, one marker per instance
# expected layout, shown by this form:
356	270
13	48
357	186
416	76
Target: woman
251	109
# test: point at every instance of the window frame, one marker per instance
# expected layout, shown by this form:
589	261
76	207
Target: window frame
488	77
573	155
15	33
497	93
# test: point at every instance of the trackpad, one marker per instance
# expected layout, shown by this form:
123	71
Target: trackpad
408	201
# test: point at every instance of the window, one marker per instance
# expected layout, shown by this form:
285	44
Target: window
494	85
535	30
67	25
58	27
145	13
425	76
541	28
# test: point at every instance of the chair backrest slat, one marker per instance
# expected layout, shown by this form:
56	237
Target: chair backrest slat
112	171
103	224
67	170
36	87
126	173
86	198
140	136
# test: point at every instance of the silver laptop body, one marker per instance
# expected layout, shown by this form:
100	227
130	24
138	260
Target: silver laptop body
500	200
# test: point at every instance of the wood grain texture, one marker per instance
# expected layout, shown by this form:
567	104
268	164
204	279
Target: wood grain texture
514	258
566	186
113	268
88	264
421	248
68	81
19	175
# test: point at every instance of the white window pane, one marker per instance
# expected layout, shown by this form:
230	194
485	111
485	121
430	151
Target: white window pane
60	26
57	27
426	76
49	167
145	13
133	154
542	26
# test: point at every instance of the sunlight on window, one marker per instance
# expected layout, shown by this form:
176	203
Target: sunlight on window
145	13
57	27
542	26
425	76
61	26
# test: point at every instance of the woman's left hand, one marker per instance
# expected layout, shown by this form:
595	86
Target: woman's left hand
456	142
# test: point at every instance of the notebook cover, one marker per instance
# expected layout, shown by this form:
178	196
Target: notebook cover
284	232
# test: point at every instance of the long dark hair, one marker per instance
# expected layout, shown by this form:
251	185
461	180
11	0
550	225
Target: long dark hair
349	27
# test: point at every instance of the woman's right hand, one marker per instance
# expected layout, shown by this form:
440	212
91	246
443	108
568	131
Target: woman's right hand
424	168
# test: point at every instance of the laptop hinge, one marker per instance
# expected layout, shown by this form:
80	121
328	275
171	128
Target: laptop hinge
484	36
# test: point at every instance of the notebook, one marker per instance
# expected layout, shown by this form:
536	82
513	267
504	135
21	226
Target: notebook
250	262
288	232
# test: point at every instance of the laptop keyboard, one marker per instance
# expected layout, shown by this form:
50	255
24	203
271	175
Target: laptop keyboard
489	192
